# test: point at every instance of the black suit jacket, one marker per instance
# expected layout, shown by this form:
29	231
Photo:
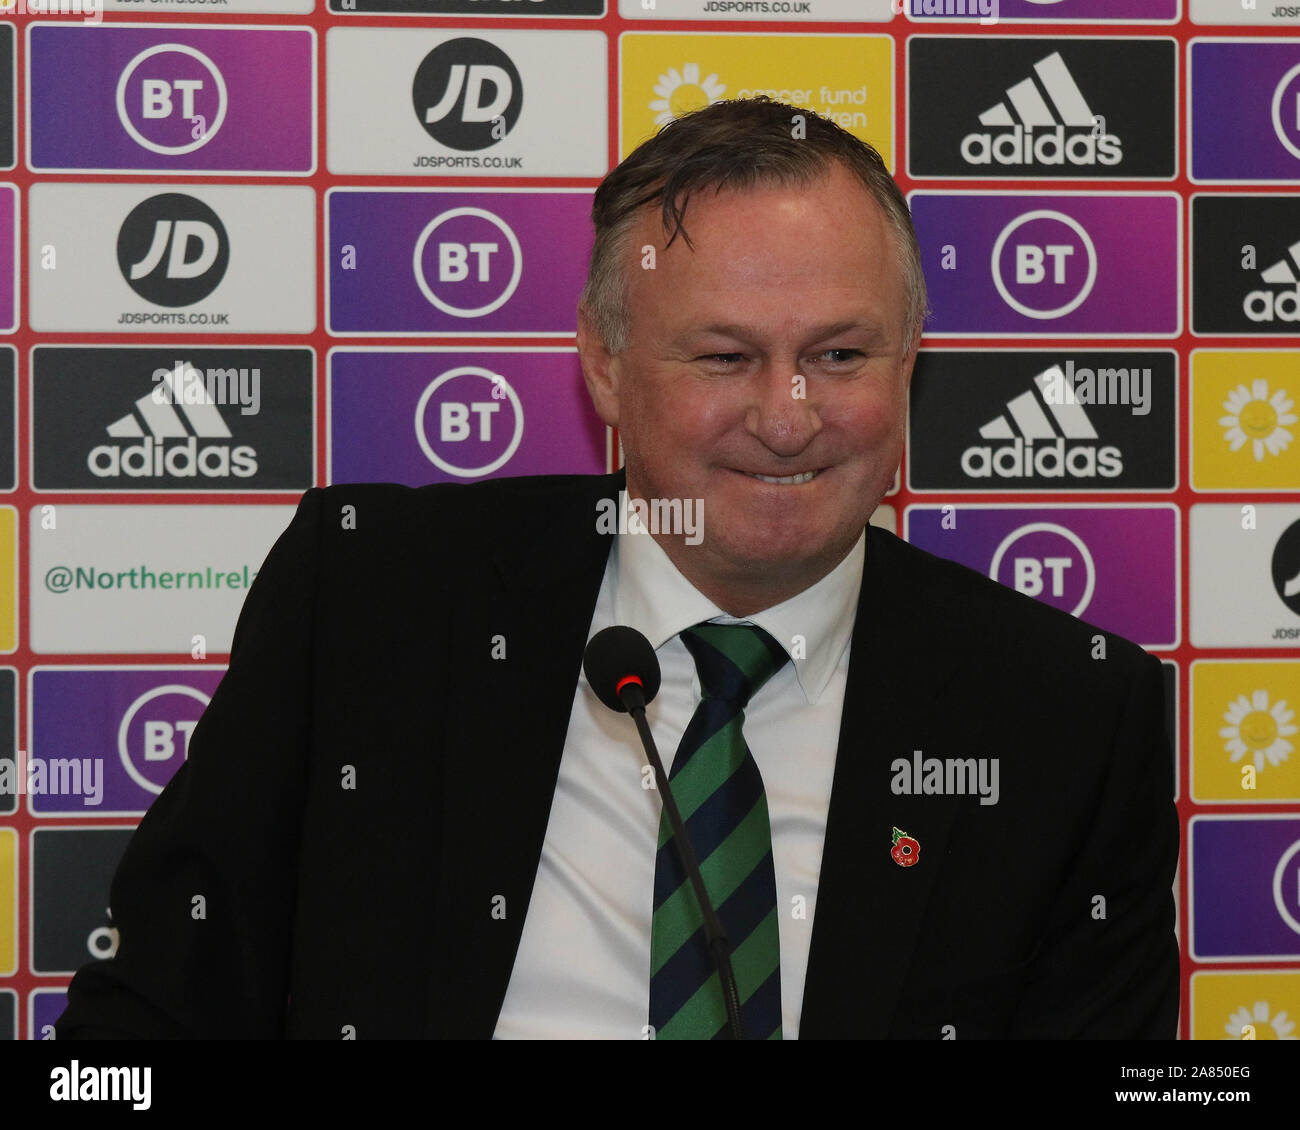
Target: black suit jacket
368	779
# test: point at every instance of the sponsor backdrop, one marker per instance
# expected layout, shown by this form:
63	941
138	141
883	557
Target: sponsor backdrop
253	247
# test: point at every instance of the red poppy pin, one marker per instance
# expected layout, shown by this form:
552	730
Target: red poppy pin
906	851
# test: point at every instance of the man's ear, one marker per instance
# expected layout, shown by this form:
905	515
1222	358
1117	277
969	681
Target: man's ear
599	370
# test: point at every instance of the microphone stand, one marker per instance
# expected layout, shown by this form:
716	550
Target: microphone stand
633	698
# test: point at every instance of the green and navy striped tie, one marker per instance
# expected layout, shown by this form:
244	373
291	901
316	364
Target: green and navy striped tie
720	794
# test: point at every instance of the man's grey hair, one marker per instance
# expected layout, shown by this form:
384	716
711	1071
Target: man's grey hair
740	143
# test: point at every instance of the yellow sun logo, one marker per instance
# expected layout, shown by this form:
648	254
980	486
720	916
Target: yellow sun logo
1261	1025
1257	729
682	91
1258	418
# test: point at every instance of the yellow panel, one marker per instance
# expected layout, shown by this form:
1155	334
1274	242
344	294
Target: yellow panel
8	901
847	78
1235	1006
1244	714
1245	434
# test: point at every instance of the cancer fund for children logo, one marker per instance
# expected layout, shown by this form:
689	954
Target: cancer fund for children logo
847	78
1244	421
1244	730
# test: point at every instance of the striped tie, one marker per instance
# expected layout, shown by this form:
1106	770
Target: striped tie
720	794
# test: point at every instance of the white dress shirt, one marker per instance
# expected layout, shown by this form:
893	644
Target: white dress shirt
583	966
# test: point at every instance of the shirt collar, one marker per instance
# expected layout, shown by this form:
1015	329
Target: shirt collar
651	595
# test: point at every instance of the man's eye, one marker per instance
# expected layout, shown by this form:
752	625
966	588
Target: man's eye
835	356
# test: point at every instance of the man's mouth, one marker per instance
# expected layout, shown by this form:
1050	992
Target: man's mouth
785	480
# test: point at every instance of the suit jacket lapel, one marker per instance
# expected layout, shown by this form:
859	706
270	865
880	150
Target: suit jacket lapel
869	908
522	632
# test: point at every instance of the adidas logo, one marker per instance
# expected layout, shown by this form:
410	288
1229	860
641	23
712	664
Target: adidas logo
167	448
1016	142
1277	306
1038	449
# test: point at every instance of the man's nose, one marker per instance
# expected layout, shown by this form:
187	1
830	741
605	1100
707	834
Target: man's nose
780	412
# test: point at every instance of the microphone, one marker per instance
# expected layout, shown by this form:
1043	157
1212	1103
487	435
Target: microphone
620	661
623	670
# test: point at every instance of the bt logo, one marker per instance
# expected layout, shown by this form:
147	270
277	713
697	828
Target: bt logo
1286	110
1044	264
469	422
171	99
1049	562
153	736
468	262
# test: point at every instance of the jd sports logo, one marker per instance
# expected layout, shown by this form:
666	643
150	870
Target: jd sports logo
164	448
1280	303
1026	443
1045	120
467	94
172	250
1286	567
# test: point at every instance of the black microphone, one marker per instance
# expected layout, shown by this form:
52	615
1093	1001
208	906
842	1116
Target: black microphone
623	670
620	661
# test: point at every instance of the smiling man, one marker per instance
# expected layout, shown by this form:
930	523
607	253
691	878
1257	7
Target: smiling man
766	372
407	813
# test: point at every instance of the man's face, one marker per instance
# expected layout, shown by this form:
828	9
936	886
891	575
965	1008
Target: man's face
783	283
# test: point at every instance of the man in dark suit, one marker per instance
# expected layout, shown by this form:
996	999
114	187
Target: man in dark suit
926	806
